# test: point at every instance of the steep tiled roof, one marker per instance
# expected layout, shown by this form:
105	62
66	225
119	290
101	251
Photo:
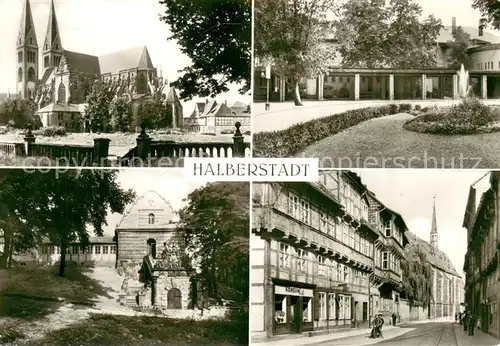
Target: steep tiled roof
436	257
137	57
46	75
82	62
198	110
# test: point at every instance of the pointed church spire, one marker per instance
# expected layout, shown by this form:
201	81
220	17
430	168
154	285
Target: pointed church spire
27	29
52	48
434	232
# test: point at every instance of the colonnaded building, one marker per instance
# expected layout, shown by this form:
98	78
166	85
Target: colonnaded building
395	84
62	82
328	255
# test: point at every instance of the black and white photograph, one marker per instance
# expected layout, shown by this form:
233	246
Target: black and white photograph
378	84
122	257
399	257
122	83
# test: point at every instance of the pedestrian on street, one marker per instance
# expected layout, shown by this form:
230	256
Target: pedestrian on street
466	320
380	324
472	324
460	316
374	332
394	316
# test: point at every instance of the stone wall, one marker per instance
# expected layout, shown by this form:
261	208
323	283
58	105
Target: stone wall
132	245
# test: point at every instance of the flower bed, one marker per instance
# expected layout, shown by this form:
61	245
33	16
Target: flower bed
289	142
469	117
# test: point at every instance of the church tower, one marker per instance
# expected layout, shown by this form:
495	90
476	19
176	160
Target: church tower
434	232
52	49
27	55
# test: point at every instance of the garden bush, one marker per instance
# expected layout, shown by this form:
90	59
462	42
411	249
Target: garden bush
51	131
289	142
469	117
405	107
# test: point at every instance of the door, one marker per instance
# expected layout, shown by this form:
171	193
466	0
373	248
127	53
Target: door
296	314
365	311
174	299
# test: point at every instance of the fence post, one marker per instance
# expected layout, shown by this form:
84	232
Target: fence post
29	138
238	142
101	150
143	143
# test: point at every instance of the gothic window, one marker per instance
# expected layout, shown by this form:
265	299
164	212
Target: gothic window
57	46
20	75
61	93
141	84
20	57
31	75
31	40
46	62
151	219
151	247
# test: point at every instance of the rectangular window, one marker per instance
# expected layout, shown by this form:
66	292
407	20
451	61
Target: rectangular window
341	307
112	249
284	255
321	265
301	260
385	260
305	213
75	250
331	306
345	238
339	271
105	249
293	206
322	306
346	273
97	249
323	222
347	313
351	237
388	228
356	242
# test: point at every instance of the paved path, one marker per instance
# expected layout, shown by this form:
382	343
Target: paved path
383	143
285	114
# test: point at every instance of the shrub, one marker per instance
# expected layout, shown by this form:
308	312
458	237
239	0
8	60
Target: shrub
289	142
469	117
51	131
418	108
405	107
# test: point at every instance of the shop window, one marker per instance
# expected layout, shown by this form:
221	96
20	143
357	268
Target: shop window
306	309
322	306
341	307
331	306
284	255
347	307
280	304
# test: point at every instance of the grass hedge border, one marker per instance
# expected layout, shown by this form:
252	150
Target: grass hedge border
291	141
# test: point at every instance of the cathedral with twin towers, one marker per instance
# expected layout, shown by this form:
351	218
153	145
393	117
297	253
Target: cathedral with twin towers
64	78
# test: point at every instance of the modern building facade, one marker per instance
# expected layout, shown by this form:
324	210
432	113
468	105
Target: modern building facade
342	83
313	256
482	288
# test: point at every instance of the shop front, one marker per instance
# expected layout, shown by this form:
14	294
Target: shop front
292	309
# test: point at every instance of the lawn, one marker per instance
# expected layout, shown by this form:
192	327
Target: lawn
383	143
44	284
142	330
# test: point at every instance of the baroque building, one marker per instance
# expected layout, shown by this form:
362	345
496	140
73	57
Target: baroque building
61	84
481	219
314	248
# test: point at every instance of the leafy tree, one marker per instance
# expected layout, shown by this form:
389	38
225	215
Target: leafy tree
457	52
19	113
154	114
376	33
97	112
216	229
289	34
490	10
65	203
216	35
417	276
121	114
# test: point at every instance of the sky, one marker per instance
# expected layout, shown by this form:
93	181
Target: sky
98	27
411	192
169	183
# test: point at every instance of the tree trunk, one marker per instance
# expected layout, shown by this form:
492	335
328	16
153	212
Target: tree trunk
11	250
213	274
4	259
62	262
296	93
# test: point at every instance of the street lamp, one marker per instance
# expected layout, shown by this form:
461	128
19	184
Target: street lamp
268	77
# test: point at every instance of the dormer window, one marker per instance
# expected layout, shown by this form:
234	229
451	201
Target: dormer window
151	219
